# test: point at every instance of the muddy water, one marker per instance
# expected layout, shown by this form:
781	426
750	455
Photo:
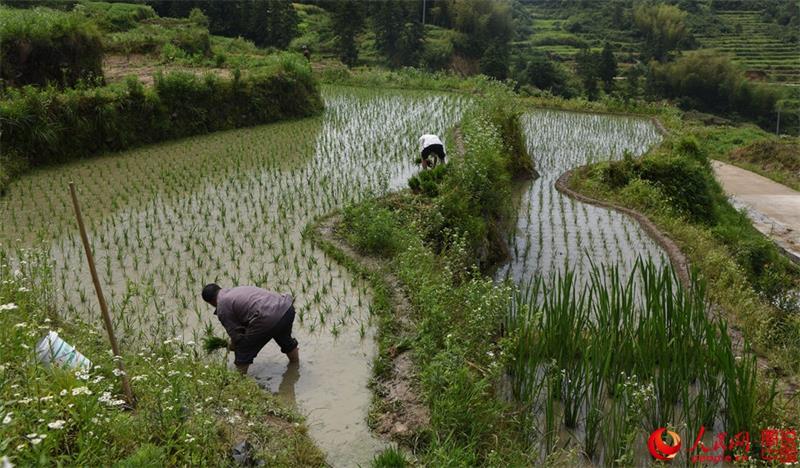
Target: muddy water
230	208
555	231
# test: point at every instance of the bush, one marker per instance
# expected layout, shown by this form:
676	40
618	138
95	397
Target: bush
115	16
437	54
43	126
40	46
684	180
711	82
372	229
164	36
427	182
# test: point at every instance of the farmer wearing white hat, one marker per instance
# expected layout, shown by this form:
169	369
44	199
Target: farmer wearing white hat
432	150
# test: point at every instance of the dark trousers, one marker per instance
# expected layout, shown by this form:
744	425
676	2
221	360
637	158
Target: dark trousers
248	347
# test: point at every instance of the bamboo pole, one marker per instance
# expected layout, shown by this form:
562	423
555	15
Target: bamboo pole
126	386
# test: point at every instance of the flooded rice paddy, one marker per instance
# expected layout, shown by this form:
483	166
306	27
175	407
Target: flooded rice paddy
553	230
230	207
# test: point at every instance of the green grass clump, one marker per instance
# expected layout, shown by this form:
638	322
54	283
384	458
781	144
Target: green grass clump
44	126
372	229
188	412
115	16
40	46
392	457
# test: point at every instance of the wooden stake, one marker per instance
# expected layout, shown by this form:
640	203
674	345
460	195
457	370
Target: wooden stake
101	299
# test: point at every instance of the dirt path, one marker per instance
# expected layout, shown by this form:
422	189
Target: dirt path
773	208
117	67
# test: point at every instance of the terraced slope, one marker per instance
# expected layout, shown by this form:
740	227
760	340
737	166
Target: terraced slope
747	38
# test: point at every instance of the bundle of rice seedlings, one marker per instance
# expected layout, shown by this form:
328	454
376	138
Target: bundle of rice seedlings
212	343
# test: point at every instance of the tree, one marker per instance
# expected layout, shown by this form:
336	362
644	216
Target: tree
281	24
632	87
494	62
545	74
268	23
399	35
481	23
586	67
607	67
347	21
663	28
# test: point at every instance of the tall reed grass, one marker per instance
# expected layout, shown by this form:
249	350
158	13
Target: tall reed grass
626	356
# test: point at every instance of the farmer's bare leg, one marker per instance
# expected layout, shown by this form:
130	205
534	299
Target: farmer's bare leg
242	368
294	355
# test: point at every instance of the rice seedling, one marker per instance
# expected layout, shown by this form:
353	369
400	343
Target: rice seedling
554	229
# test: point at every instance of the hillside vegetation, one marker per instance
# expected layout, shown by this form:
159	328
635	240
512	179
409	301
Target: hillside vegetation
41	46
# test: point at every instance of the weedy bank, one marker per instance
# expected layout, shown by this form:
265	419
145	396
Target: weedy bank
46	125
190	410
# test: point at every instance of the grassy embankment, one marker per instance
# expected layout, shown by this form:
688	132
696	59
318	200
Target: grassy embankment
436	242
41	46
752	149
46	124
747	277
191	410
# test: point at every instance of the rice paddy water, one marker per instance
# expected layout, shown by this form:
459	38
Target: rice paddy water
553	230
230	207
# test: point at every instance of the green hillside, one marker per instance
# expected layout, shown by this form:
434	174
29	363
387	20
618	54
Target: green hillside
751	41
762	47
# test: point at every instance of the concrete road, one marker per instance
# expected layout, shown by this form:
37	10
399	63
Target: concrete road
773	208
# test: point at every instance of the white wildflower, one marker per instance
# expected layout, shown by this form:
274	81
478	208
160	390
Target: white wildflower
81	391
5	462
118	372
7	418
9	306
57	424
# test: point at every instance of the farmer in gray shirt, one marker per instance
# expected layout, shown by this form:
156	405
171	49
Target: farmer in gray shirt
252	316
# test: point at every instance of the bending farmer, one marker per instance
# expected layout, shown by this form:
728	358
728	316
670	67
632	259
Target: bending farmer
431	145
252	316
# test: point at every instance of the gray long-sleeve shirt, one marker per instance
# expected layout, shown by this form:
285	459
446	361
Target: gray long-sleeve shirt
250	310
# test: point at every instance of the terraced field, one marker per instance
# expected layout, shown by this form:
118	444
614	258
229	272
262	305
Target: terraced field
748	40
752	42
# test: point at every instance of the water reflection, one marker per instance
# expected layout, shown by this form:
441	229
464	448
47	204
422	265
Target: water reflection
290	377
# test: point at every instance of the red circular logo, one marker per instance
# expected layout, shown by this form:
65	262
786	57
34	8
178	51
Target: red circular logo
659	448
